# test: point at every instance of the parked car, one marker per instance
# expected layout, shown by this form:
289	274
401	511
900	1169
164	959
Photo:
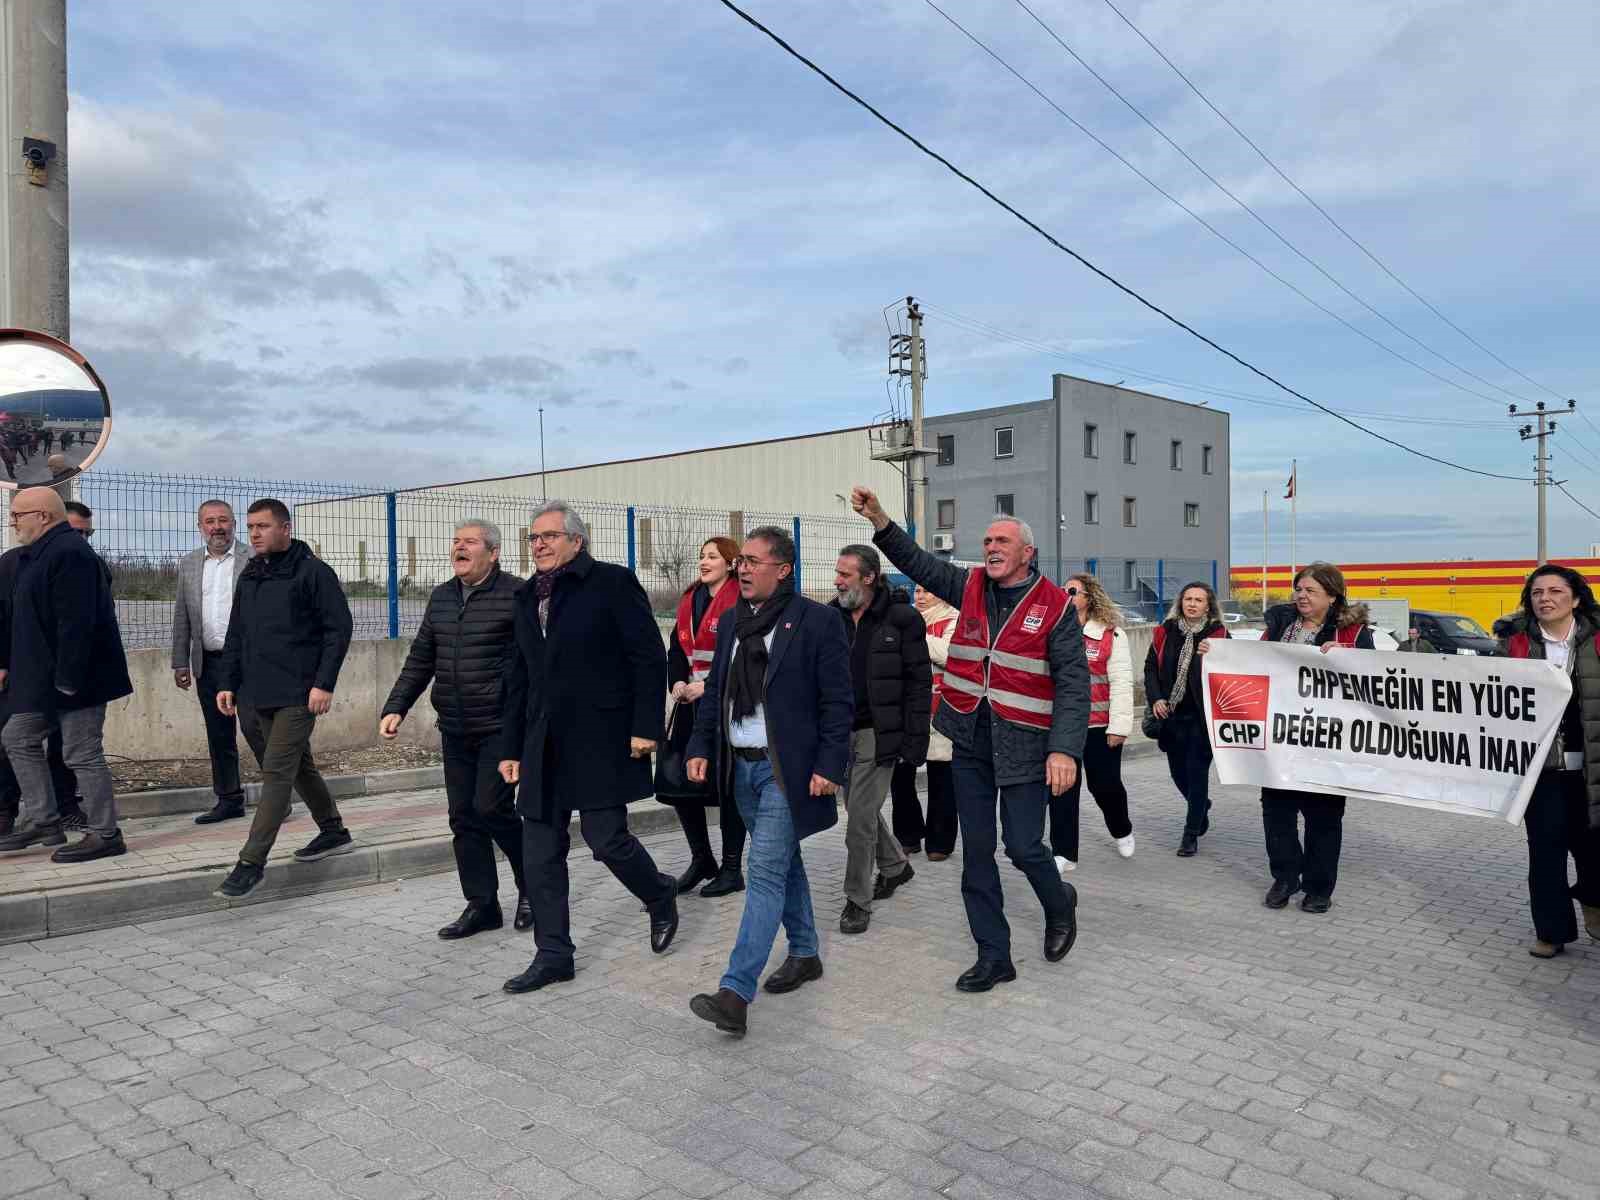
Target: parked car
1450	633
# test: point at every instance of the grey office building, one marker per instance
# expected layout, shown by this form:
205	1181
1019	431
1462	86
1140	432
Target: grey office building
1130	486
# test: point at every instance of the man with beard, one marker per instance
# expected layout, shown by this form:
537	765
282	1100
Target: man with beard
1015	703
206	578
892	680
462	646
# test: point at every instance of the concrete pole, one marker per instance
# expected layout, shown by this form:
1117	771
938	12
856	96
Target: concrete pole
917	464
33	219
1542	485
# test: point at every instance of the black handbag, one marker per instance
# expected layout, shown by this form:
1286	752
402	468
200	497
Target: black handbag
672	773
1151	725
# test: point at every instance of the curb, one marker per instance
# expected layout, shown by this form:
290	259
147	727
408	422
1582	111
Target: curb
28	916
169	802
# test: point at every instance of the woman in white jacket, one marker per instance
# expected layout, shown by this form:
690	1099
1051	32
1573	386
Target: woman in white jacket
939	829
1110	722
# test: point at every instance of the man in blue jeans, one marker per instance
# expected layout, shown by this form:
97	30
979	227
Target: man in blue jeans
775	723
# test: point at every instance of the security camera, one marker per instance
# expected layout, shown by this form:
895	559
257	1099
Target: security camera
37	151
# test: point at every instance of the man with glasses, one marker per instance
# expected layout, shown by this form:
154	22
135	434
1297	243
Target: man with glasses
774	723
62	663
206	579
581	714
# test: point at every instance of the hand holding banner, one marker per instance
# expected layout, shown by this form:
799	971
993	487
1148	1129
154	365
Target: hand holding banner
1467	735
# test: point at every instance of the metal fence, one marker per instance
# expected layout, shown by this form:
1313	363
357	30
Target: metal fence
391	547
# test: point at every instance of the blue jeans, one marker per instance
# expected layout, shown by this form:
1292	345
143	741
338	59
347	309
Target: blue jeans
778	891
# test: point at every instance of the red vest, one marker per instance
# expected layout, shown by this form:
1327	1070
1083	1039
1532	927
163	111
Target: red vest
1012	669
937	630
1518	645
701	647
1098	652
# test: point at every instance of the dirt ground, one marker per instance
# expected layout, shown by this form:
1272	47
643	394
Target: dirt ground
152	774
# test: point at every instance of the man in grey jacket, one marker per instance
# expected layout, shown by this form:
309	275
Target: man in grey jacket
206	578
1017	717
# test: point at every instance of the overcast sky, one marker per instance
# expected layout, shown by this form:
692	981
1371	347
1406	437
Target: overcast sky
310	242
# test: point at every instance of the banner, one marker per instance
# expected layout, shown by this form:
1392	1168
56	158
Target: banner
1465	735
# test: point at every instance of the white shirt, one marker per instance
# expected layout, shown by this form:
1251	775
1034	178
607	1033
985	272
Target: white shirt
216	597
750	733
1559	652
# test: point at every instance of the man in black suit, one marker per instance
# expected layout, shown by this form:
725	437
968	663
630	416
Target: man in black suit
582	711
775	721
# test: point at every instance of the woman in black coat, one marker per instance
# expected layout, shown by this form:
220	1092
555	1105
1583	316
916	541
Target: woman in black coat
689	653
1172	690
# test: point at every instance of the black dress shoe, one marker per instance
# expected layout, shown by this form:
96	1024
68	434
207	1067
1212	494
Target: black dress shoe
1278	894
1062	930
726	1010
1189	847
885	885
1315	904
793	973
854	918
472	920
728	881
664	920
523	921
700	870
223	811
984	974
91	847
537	975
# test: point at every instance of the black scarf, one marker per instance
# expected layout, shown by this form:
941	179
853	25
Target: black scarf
747	676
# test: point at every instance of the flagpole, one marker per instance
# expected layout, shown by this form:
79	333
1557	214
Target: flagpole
1264	558
1294	515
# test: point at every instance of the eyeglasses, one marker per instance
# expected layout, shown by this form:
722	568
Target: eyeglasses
27	512
546	539
744	560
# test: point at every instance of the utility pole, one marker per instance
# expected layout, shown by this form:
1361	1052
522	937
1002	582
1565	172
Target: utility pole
33	140
1542	428
917	465
543	494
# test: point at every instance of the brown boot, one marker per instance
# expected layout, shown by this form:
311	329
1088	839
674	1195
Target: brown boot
725	1010
1542	949
1591	920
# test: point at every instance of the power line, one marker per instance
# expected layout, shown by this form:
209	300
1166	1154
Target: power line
1350	237
1562	488
1208	226
1071	253
1259	219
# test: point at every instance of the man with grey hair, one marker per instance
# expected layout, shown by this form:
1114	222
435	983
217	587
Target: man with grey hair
462	646
892	680
1015	704
581	714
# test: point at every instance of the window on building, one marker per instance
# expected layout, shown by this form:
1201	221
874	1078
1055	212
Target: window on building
947	514
1091	441
947	449
1002	442
1191	515
1130	447
1130	511
1177	455
1091	508
1130	574
1208	460
1005	504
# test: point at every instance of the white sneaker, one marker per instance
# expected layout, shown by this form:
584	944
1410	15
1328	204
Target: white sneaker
1063	865
1125	846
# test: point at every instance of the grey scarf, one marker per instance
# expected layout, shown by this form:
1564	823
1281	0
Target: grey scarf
1191	631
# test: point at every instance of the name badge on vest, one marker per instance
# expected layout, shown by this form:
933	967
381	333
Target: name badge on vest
1034	621
969	628
712	628
1091	651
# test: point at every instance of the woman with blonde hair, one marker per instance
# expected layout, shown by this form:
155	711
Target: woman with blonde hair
1105	645
1172	690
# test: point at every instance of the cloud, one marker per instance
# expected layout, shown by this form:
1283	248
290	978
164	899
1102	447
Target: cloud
524	375
628	358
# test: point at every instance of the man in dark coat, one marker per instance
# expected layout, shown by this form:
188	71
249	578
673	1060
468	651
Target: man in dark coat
63	664
892	678
463	645
288	632
774	724
582	711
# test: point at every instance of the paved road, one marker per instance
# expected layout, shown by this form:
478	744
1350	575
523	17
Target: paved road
1193	1045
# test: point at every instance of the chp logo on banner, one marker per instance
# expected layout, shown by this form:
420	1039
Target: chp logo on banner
1465	735
1239	710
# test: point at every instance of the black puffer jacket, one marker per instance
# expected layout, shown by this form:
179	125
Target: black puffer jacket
463	649
899	681
289	630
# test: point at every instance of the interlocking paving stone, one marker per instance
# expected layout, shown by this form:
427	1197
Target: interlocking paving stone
1194	1045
